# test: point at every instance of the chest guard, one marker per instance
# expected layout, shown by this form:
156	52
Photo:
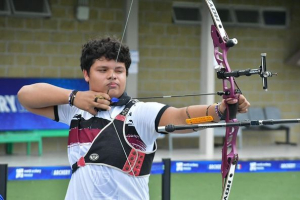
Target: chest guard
112	143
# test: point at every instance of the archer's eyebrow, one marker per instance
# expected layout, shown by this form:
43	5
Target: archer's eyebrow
110	67
119	67
101	67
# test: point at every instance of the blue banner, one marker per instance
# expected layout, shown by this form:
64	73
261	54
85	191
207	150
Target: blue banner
39	173
65	172
242	166
157	168
14	116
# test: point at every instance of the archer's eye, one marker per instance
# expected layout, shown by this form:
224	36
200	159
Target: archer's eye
119	71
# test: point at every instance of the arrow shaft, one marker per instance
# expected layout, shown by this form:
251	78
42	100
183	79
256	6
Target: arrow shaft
184	95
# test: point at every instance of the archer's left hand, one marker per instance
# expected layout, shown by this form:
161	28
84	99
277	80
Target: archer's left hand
243	104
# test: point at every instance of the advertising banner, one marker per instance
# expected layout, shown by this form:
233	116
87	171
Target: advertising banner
242	166
39	173
13	116
65	172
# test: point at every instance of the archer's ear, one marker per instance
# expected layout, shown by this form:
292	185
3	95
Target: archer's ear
86	75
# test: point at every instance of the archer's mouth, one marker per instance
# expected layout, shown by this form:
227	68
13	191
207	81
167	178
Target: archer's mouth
112	85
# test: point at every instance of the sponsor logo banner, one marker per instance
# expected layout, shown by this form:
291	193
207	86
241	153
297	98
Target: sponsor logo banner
242	166
64	172
39	173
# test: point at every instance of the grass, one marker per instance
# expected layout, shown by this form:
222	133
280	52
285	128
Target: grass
246	186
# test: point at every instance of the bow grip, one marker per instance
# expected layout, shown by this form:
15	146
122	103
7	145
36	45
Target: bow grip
232	108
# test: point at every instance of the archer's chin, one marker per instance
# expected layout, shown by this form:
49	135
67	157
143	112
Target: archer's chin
114	93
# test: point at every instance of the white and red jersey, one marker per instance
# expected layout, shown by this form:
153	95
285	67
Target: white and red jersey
102	181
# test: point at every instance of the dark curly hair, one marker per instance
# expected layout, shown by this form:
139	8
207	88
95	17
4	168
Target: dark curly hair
106	47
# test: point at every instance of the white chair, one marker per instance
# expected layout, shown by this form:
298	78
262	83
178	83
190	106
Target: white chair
272	112
256	113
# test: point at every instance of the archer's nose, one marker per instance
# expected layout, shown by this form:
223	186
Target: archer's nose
112	76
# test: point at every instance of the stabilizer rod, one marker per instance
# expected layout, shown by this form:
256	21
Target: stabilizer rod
172	128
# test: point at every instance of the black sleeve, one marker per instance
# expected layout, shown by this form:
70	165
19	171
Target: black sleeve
159	116
56	118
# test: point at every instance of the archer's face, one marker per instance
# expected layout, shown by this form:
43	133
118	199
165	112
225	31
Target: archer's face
107	75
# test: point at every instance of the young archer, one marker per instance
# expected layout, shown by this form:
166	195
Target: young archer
111	144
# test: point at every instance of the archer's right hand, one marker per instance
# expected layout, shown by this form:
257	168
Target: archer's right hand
91	101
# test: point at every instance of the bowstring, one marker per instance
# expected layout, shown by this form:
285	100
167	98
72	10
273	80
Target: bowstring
124	31
116	131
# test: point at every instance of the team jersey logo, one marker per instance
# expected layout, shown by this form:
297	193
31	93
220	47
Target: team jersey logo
94	157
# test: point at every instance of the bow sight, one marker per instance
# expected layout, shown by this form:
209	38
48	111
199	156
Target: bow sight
262	71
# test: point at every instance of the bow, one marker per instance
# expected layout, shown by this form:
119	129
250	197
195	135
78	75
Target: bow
222	43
